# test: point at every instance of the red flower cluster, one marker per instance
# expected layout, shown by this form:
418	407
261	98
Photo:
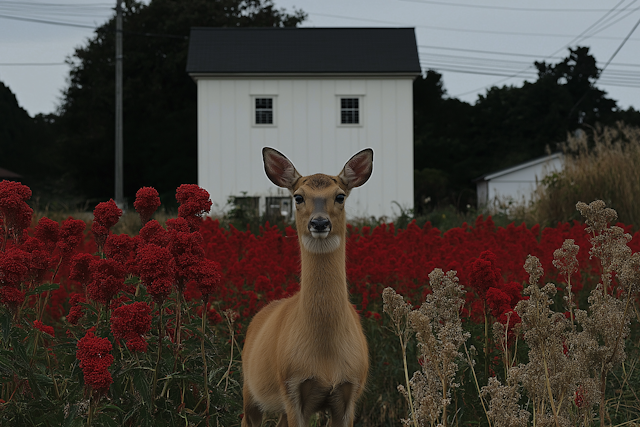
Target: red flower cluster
107	279
156	268
75	312
43	328
130	322
95	357
146	203
71	235
105	216
194	202
15	214
48	232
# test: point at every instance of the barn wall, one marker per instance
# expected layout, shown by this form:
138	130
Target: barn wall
307	131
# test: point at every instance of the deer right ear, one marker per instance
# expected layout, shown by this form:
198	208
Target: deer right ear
279	169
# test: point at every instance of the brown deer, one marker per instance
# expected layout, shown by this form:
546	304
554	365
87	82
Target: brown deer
307	353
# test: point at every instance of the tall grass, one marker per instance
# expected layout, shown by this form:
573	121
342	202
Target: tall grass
602	164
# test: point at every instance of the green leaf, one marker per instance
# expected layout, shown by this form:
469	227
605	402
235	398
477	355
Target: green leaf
5	321
44	288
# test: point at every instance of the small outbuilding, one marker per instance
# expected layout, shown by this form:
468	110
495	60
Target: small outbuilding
318	95
8	175
517	183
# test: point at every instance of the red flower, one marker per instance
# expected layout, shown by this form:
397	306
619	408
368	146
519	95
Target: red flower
152	232
105	216
43	328
187	252
147	201
121	248
130	322
71	234
157	270
13	266
194	202
94	356
14	211
498	301
11	297
80	267
48	232
107	279
207	277
75	312
484	273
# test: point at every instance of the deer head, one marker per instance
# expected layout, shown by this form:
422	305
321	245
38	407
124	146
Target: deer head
319	198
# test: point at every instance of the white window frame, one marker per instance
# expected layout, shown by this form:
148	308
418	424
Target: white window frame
360	99
274	100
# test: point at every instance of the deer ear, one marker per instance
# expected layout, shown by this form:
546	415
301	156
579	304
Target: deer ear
358	169
279	169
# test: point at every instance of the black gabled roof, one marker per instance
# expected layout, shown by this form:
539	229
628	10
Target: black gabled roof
303	50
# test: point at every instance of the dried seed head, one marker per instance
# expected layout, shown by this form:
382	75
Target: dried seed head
565	260
597	216
533	266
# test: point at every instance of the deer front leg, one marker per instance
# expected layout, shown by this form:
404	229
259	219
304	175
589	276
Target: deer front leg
342	402
252	412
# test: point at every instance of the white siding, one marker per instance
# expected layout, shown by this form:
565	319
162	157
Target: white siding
516	184
307	131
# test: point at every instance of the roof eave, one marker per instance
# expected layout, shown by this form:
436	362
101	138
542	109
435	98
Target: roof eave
404	74
534	162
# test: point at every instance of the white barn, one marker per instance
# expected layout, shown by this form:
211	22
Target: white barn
517	183
318	95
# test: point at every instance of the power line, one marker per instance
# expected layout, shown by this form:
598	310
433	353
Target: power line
510	8
576	39
27	64
461	30
43	21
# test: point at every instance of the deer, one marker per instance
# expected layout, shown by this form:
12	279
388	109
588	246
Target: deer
308	353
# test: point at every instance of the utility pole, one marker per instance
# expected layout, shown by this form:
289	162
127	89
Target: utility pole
119	157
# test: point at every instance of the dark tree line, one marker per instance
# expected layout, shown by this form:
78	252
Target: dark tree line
71	153
456	142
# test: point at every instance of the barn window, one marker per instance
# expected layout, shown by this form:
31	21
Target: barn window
264	111
349	111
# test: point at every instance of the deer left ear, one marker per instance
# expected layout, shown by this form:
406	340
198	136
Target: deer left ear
358	169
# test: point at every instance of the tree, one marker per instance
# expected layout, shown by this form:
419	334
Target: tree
24	146
160	106
506	126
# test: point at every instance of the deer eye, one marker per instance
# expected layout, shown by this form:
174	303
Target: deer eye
298	198
340	198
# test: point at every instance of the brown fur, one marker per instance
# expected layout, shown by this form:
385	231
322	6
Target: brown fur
307	353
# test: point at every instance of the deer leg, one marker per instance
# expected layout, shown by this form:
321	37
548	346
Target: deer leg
252	412
283	422
342	405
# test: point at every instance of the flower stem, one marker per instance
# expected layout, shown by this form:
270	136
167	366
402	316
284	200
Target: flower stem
155	372
475	378
204	358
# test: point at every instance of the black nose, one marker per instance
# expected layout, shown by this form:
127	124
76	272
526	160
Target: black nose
320	224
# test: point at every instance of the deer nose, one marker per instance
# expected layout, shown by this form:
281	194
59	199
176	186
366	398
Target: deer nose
320	225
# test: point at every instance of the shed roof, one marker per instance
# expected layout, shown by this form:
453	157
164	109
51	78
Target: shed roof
5	173
534	162
303	51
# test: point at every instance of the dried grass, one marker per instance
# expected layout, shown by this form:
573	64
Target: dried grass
599	165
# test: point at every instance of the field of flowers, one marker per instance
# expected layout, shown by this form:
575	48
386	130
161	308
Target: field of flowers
105	329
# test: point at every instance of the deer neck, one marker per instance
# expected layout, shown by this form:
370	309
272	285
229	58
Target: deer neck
323	285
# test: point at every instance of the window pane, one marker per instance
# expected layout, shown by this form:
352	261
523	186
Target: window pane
349	111
264	111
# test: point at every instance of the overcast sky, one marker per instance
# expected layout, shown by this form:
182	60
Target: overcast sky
474	44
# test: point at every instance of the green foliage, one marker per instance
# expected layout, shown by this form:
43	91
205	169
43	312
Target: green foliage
160	111
456	142
42	383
